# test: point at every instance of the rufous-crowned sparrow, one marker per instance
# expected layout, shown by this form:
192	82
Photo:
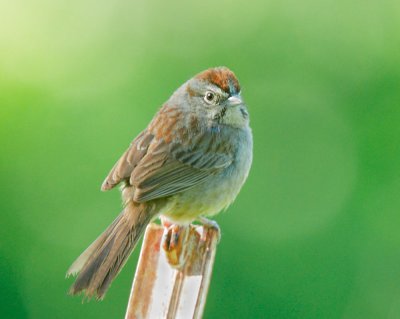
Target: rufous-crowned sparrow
190	162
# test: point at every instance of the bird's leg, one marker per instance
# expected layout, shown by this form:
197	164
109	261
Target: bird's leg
172	237
165	221
172	233
208	223
175	244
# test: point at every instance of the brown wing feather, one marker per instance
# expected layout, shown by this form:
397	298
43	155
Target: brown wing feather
164	160
122	170
171	168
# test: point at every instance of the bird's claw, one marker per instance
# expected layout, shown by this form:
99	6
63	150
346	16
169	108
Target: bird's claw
212	224
172	237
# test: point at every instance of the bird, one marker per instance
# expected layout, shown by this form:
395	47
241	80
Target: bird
188	164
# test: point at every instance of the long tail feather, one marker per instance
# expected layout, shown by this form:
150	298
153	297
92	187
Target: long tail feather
101	262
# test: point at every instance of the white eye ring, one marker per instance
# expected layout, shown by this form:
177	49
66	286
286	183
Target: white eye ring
211	97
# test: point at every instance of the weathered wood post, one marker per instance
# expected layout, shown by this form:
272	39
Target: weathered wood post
173	284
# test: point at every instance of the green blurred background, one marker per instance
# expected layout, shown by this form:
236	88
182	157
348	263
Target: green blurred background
314	232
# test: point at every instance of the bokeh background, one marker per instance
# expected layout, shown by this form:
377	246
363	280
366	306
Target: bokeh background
315	233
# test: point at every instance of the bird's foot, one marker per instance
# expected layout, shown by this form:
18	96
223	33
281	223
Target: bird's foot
174	244
172	238
212	224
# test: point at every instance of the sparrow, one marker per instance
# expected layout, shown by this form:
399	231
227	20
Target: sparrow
189	163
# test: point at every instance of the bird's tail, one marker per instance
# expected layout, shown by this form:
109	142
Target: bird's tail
101	262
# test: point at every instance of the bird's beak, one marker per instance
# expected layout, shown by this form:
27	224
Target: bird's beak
235	100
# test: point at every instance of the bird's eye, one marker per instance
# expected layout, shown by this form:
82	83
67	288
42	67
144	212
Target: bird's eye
211	98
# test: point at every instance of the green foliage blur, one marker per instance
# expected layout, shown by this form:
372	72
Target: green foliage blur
314	232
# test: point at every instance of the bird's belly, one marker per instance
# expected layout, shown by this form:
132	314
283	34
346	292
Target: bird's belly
204	200
216	194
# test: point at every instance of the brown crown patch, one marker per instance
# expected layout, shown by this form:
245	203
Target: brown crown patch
221	77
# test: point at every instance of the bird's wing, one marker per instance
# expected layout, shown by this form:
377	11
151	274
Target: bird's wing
122	170
170	168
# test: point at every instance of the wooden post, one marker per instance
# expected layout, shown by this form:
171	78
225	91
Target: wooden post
173	284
